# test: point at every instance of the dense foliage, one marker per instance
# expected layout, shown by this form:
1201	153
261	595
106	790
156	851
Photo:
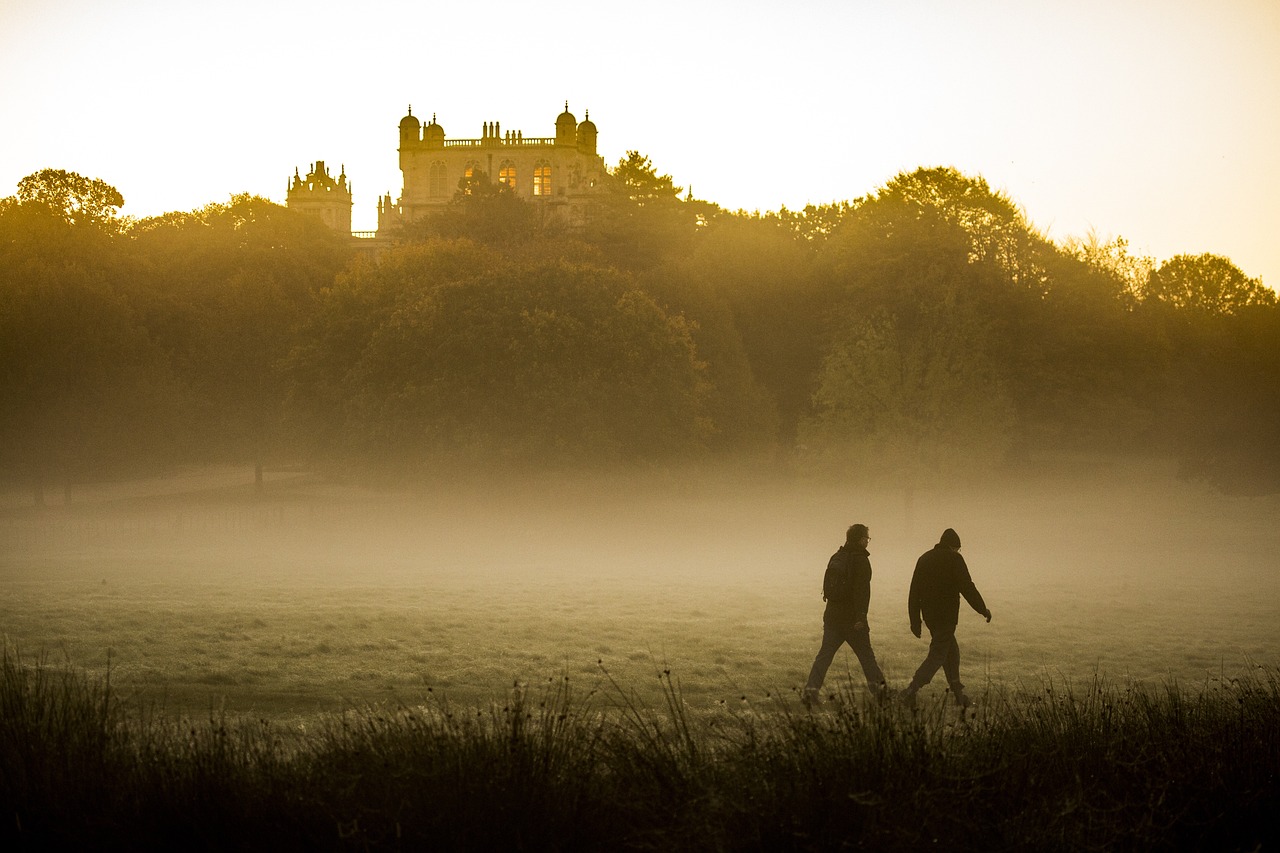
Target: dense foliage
923	330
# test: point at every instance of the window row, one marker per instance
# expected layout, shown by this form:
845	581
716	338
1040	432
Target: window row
438	181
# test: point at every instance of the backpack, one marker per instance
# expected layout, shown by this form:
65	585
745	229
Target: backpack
835	583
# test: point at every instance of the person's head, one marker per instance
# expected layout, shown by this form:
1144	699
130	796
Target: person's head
950	539
858	534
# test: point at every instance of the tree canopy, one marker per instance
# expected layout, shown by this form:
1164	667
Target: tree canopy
1206	283
75	199
448	350
924	330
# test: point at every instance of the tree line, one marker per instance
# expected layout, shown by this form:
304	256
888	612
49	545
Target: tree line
922	331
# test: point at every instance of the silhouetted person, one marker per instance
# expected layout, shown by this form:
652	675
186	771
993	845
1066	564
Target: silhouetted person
940	578
846	587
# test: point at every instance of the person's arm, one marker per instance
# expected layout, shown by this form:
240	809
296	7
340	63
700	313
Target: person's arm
969	590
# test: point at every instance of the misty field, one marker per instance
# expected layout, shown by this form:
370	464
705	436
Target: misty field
583	664
318	597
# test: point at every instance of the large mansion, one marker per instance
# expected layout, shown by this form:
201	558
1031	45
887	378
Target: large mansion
556	173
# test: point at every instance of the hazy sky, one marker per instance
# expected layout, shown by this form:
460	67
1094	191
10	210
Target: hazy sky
1158	121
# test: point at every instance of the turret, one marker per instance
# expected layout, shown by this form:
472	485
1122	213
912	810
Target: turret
587	135
409	127
566	127
409	136
433	134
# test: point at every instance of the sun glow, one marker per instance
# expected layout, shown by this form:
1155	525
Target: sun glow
1164	138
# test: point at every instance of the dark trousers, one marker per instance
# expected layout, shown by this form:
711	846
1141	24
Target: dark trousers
944	654
835	634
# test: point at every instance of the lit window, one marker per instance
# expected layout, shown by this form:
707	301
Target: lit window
542	179
507	174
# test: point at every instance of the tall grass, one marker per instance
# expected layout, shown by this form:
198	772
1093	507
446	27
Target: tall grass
1049	766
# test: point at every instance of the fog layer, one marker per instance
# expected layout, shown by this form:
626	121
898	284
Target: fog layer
317	594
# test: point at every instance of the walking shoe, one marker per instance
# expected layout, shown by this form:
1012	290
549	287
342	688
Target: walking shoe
811	696
908	698
963	700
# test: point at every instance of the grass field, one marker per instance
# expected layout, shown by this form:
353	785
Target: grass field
319	597
613	664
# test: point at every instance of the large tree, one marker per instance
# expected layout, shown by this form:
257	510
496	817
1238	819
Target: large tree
226	289
447	351
73	198
1205	283
639	219
1222	327
914	399
995	230
748	284
1228	370
84	392
1079	368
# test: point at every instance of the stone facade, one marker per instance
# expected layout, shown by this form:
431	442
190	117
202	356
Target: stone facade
558	174
320	194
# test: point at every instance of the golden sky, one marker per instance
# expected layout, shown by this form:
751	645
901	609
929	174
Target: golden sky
1157	121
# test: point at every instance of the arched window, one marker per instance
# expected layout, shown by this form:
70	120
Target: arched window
542	178
507	174
437	187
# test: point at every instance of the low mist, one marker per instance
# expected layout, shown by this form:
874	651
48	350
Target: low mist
316	594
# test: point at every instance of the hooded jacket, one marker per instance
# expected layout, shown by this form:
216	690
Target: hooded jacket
940	578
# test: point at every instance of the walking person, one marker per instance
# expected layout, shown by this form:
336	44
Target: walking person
846	588
940	578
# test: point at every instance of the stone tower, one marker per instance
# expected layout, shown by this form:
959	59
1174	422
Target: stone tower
322	195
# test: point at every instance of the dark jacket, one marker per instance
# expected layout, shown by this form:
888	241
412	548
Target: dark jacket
940	578
847	585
